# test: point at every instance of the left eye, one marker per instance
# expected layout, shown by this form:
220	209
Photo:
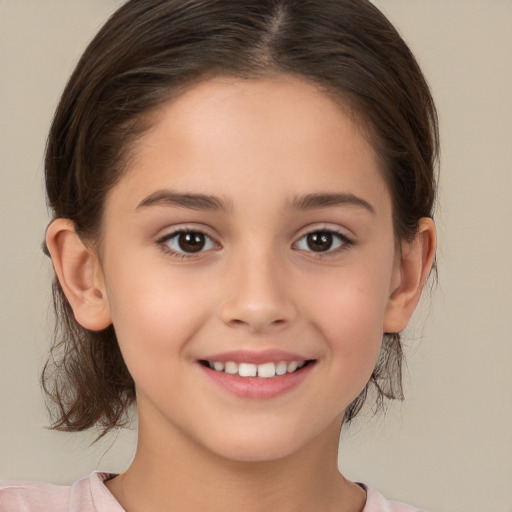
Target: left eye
189	242
321	241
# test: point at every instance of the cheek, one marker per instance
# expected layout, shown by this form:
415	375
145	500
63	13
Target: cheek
350	302
154	315
348	310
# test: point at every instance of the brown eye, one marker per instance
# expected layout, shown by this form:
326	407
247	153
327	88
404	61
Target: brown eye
188	242
319	242
322	241
191	242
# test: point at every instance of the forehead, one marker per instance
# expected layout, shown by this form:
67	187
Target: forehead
273	131
286	107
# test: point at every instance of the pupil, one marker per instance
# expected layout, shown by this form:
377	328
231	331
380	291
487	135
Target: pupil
319	242
191	242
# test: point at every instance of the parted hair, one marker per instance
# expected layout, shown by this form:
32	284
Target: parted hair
146	54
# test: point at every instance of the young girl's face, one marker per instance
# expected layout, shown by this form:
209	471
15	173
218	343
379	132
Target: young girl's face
252	232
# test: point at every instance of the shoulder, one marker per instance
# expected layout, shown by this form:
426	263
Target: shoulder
86	495
375	502
19	496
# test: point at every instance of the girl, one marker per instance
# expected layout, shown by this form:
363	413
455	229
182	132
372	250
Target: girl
242	196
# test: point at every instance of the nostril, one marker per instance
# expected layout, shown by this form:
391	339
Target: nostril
257	315
256	325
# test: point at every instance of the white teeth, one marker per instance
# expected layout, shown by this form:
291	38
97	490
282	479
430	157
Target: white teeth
281	368
231	367
247	370
292	366
264	371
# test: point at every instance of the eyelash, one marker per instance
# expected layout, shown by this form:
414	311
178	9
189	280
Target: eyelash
164	243
342	239
344	242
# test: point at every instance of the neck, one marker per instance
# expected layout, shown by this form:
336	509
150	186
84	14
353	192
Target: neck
179	475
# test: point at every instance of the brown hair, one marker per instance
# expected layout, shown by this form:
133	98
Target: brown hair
148	52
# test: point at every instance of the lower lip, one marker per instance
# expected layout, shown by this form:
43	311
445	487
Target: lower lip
258	388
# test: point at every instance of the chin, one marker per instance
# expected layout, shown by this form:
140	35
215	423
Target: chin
262	444
254	453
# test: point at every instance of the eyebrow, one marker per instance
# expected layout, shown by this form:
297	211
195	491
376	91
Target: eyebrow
204	202
325	200
184	200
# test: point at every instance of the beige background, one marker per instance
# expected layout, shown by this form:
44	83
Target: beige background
449	446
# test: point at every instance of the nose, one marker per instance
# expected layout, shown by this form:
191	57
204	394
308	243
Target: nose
258	297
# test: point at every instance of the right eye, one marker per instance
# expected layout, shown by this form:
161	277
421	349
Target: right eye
186	242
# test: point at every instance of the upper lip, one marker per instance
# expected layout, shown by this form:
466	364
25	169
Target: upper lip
255	357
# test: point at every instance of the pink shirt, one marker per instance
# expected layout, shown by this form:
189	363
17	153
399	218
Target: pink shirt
91	495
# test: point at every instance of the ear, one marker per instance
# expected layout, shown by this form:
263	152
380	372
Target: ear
79	272
410	276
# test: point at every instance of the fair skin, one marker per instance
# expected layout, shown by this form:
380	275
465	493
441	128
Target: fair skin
293	260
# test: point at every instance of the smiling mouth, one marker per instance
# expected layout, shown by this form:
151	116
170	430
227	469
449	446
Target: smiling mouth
262	371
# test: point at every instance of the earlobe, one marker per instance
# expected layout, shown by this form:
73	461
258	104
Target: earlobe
413	270
79	273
